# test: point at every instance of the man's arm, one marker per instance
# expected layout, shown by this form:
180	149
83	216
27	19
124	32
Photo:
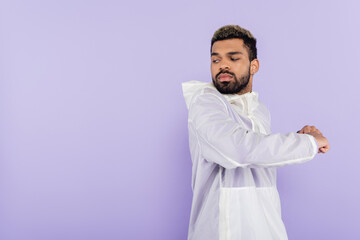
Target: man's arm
227	143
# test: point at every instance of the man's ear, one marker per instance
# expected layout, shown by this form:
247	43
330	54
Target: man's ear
254	66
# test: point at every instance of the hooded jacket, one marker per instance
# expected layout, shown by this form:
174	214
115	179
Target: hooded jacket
234	158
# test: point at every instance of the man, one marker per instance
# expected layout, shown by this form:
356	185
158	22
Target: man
234	154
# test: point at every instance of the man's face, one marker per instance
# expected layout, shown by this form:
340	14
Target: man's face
230	66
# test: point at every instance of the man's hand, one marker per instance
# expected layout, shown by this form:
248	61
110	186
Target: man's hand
320	139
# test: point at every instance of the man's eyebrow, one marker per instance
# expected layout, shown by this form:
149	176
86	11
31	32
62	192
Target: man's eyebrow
233	53
229	53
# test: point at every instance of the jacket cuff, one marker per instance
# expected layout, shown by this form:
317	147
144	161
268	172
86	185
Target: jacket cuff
314	144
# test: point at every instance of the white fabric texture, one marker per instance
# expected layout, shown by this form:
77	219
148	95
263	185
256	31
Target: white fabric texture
234	158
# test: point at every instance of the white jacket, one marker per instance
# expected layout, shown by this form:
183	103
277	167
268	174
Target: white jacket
234	159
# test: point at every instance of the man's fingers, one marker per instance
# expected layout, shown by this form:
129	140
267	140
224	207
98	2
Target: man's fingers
317	130
327	147
324	149
308	129
313	129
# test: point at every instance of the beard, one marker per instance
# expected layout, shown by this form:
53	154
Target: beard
233	86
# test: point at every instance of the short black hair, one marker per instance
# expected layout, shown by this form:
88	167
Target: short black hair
235	31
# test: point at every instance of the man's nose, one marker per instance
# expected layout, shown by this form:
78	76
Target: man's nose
224	65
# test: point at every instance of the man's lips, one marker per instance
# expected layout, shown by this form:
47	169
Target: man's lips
224	77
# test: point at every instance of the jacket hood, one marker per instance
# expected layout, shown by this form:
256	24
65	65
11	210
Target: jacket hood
191	87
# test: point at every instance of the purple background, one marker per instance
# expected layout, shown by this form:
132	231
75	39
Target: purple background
93	125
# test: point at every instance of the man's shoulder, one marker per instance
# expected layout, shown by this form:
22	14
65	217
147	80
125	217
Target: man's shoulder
196	92
208	98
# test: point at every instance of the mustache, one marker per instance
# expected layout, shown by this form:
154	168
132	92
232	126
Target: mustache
232	74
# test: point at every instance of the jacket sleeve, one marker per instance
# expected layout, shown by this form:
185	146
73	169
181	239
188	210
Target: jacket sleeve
226	142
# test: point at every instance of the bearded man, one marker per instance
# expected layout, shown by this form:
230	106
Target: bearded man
234	153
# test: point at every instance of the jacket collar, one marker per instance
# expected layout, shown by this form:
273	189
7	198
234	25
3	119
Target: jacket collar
246	102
